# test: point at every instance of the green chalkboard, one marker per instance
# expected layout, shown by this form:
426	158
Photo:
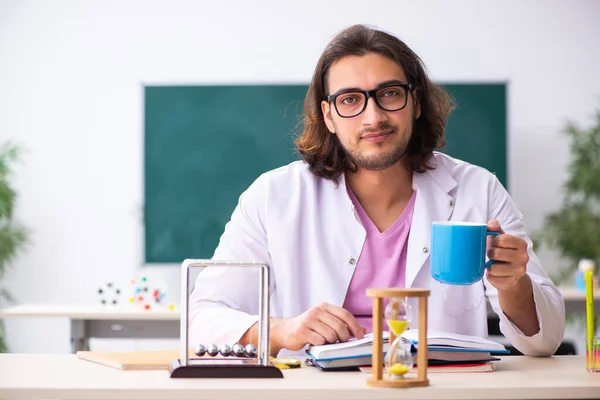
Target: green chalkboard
204	145
476	129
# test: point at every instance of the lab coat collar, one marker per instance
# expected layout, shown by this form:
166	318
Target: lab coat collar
433	203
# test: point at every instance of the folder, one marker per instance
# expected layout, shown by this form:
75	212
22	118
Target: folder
133	360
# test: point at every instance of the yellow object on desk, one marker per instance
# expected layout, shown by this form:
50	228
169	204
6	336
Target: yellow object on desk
398	369
591	364
286	363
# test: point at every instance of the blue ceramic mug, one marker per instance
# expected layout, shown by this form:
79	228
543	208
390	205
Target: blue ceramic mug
458	252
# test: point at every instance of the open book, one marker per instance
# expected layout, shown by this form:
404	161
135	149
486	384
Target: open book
443	348
444	341
353	348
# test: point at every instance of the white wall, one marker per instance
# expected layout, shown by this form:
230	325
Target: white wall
70	91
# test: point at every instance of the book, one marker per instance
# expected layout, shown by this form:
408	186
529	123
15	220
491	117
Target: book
353	348
436	341
445	341
442	349
435	358
133	360
341	363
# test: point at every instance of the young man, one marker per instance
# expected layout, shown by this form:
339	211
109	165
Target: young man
357	213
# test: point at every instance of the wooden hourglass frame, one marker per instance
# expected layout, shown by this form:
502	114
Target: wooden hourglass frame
378	379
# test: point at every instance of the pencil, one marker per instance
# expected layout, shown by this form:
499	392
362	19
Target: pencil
589	309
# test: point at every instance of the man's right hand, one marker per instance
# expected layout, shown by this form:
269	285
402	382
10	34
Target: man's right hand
322	324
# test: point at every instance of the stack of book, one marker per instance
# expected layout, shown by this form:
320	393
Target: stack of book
446	352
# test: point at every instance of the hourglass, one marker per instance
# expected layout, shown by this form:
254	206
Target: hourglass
399	359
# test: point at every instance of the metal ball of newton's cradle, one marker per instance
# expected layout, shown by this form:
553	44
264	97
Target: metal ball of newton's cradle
213	350
200	350
250	350
238	350
225	350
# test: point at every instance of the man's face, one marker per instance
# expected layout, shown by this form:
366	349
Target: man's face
374	139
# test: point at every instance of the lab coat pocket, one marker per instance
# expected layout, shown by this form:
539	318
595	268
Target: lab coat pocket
459	300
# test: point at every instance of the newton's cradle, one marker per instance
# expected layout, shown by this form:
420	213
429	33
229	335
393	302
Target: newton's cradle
254	362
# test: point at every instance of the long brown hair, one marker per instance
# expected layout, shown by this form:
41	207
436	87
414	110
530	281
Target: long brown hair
322	150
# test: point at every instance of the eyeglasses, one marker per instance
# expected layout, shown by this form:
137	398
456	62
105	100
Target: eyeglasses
351	103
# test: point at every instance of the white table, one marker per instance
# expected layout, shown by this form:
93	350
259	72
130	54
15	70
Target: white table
575	300
571	294
104	321
34	376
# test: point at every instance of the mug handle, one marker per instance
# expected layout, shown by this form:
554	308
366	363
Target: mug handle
487	264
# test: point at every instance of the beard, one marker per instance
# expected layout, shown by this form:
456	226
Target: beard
383	160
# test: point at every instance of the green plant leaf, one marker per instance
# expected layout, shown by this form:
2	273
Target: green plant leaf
574	229
9	153
5	296
3	346
7	200
12	238
584	167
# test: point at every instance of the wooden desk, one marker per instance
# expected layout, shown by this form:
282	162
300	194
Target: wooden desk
104	322
33	376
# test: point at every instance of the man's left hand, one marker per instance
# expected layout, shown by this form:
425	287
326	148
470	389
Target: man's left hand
510	254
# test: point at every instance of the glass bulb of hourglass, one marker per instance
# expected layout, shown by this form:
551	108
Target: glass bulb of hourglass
399	359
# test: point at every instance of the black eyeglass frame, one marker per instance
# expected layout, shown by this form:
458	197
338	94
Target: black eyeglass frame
371	93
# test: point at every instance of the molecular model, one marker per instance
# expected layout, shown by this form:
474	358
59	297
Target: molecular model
148	295
110	294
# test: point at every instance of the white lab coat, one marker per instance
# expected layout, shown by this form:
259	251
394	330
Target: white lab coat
308	231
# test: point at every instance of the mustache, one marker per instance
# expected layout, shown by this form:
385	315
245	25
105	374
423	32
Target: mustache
382	127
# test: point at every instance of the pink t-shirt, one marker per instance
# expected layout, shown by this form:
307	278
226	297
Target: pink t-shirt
382	262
